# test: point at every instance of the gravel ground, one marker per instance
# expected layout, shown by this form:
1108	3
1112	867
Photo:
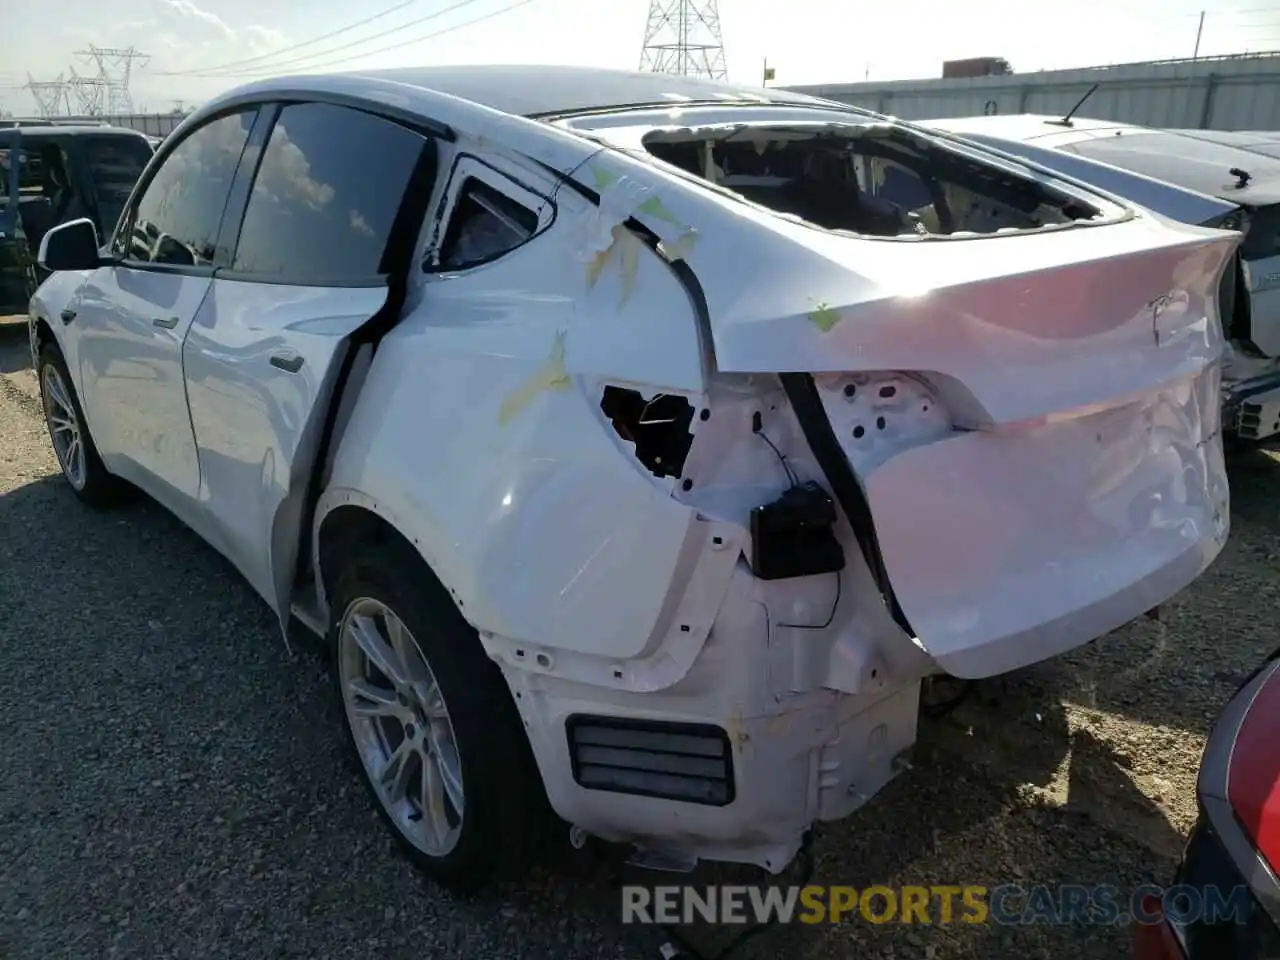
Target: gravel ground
172	784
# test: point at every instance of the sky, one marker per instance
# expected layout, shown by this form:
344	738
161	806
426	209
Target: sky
199	48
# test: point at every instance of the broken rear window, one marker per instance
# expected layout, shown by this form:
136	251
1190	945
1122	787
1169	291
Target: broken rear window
874	180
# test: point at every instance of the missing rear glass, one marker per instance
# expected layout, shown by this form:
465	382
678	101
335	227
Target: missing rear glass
875	181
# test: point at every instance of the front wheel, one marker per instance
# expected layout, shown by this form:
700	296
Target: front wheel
72	445
431	718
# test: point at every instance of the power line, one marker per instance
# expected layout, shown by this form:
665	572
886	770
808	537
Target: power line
274	67
396	46
297	46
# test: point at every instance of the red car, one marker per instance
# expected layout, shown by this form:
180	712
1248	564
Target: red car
1225	900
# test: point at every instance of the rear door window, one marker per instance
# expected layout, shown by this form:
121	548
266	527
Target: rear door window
327	191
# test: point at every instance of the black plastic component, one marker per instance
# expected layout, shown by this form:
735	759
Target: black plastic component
808	408
794	536
659	428
686	762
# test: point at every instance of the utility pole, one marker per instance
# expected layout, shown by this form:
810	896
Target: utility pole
683	37
1195	55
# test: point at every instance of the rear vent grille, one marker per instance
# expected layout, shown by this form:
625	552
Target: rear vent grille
692	763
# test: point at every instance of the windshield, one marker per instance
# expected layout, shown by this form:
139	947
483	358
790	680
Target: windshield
114	163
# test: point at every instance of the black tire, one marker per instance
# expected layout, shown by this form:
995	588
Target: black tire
100	488
505	806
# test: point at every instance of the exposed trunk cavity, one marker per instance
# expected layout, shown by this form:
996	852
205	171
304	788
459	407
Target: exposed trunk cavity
875	180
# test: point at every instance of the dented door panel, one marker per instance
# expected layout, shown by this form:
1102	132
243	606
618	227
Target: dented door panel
259	362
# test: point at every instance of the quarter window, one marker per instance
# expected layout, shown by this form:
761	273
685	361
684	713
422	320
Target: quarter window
326	194
177	219
485	223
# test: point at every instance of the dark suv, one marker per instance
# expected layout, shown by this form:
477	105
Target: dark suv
50	174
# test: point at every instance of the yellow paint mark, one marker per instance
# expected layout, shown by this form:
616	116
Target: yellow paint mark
603	178
654	207
824	317
629	251
627	246
550	376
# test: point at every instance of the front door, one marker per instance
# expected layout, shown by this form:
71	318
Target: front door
133	317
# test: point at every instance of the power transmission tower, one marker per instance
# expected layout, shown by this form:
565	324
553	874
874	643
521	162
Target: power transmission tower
50	96
90	92
115	67
683	36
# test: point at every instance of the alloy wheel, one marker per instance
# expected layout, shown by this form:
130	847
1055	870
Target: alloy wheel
401	726
64	426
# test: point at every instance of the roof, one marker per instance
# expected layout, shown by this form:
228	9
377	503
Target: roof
540	91
62	130
1196	160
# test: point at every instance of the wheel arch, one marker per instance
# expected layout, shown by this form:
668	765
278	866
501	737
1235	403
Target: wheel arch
347	517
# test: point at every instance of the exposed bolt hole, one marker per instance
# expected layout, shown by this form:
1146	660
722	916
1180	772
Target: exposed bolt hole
858	431
520	654
888	391
925	407
850	389
543	660
687	485
617	674
718	541
879	423
684	628
874	674
757	422
519	695
704	415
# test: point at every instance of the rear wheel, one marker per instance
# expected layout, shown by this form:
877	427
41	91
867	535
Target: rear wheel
72	445
431	720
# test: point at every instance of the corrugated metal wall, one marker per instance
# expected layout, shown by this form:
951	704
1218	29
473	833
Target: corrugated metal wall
1221	93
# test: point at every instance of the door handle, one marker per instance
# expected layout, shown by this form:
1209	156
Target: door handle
167	322
290	363
68	315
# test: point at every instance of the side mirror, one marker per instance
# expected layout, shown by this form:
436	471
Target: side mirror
70	246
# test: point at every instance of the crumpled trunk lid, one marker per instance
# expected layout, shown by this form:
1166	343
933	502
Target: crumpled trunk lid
1080	481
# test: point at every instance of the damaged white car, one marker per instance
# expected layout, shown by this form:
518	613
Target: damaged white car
622	444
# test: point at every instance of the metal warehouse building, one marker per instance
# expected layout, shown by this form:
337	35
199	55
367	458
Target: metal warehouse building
1240	92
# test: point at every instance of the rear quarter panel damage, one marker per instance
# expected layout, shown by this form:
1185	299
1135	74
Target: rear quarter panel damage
479	433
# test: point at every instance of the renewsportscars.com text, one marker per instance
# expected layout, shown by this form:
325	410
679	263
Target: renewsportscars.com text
1009	904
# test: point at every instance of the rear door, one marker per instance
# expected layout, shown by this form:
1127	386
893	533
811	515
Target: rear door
312	242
